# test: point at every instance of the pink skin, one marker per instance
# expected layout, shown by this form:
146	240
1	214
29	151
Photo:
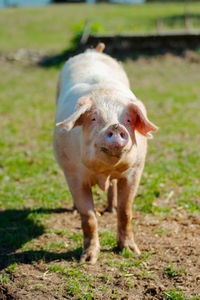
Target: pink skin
115	138
112	153
107	140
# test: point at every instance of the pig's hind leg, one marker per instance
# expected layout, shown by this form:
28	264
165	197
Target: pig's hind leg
112	196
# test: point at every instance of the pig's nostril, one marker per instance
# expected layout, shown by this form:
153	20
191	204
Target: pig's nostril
122	135
110	134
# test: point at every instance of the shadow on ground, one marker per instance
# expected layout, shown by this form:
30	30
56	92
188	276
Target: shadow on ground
30	257
123	47
58	60
18	227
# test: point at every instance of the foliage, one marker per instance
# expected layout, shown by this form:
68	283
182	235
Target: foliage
79	28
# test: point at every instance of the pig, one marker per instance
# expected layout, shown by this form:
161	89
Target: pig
100	137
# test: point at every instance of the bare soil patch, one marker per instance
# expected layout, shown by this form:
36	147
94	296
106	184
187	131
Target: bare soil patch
172	242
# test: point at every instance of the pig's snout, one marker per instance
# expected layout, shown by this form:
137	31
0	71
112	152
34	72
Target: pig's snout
116	137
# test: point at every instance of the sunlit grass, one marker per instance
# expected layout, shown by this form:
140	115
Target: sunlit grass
33	27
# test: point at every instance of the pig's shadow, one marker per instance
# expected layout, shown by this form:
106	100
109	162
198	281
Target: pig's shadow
59	59
17	228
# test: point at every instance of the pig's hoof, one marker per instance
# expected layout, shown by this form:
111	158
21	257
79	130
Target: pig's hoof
90	255
130	245
74	210
112	210
135	248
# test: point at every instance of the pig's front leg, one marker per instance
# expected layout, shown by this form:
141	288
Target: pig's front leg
84	203
127	188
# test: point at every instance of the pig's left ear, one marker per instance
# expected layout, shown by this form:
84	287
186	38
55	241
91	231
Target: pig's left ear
141	122
83	105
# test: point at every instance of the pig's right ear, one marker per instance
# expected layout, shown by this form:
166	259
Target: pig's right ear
83	105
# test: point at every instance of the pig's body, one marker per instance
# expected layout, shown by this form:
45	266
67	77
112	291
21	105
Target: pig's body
96	141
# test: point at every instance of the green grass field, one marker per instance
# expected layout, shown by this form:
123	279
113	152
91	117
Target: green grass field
33	188
51	28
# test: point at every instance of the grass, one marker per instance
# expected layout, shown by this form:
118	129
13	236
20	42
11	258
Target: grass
177	295
107	238
173	271
56	35
33	186
129	260
4	278
77	281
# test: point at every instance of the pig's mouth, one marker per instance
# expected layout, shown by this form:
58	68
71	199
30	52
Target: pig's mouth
115	152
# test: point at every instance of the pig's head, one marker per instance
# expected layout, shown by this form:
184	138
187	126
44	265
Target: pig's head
108	129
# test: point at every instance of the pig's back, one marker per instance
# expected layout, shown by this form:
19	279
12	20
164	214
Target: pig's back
83	74
91	68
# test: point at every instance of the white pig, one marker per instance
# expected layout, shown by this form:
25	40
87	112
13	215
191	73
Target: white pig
100	137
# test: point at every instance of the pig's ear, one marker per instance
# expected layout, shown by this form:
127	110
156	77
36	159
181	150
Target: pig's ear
83	105
141	122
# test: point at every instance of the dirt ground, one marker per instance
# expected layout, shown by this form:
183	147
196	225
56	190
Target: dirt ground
172	240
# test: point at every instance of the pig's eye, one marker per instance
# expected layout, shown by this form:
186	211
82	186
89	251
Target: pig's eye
128	120
94	119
